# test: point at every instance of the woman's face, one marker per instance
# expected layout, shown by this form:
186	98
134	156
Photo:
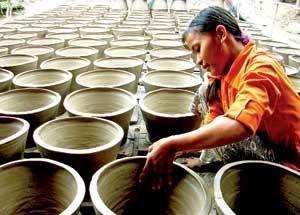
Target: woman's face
209	51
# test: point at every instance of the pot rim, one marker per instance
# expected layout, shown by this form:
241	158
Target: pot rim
49	49
100	205
100	42
40	142
54	103
59	52
71	110
139	61
191	64
75	204
29	61
17	41
67	77
294	57
139	42
87	62
10	75
58	41
220	202
20	132
149	111
143	51
184	52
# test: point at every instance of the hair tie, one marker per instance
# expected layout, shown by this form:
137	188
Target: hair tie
245	38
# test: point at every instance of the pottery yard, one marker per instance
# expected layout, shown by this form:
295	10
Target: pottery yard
92	91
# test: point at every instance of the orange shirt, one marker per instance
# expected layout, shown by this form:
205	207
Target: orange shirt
257	93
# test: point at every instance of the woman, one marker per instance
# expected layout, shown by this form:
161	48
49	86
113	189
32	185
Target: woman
254	111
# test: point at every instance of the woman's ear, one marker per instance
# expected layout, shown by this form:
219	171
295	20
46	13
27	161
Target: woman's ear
221	33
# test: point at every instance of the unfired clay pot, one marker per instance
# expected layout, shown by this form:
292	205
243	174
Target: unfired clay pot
18	63
94	30
126	52
78	51
270	44
109	103
170	64
171	79
24	36
7	30
75	65
65	36
166	112
107	37
52	79
41	32
153	32
159	5
118	31
132	65
3	51
170	53
62	30
13	137
11	43
85	143
257	187
187	195
140	5
166	44
285	52
291	71
55	43
294	60
100	45
32	104
167	37
129	43
5	80
40	186
41	52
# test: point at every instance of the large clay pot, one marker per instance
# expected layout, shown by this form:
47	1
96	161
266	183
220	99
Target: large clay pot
5	80
108	103
13	137
65	36
32	104
75	65
126	52
187	195
170	64
285	52
166	112
11	43
159	5
132	65
171	79
78	51
129	43
106	37
54	43
41	32
107	78
100	45
166	44
40	186
257	187
294	60
52	79
270	44
85	143
18	63
170	53
41	52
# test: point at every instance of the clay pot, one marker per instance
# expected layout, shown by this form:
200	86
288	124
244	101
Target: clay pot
270	44
78	51
64	36
40	186
52	79
41	52
166	44
126	52
132	65
100	45
85	143
258	38
166	112
257	187
127	31
54	43
75	65
5	80
187	195
107	37
42	107
3	51
93	30
129	43
108	103
18	63
153	32
171	79
118	5
170	53
7	30
291	71
140	5
159	5
41	32
170	64
62	30
73	25
167	37
24	36
11	43
294	60
285	52
107	78
105	21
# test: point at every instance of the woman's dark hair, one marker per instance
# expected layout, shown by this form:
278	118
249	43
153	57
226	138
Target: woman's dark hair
206	21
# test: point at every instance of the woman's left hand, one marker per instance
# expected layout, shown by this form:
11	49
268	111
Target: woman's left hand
157	170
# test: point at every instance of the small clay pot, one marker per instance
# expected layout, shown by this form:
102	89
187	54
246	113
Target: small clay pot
100	45
285	52
294	60
78	51
166	112
40	186
35	105
126	52
257	187
171	79
129	43
187	195
107	78
18	63
41	32
41	52
170	64
64	36
13	138
5	80
55	43
52	79
11	43
170	53
85	143
75	65
109	103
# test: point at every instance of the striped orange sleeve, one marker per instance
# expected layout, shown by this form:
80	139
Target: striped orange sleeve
214	110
